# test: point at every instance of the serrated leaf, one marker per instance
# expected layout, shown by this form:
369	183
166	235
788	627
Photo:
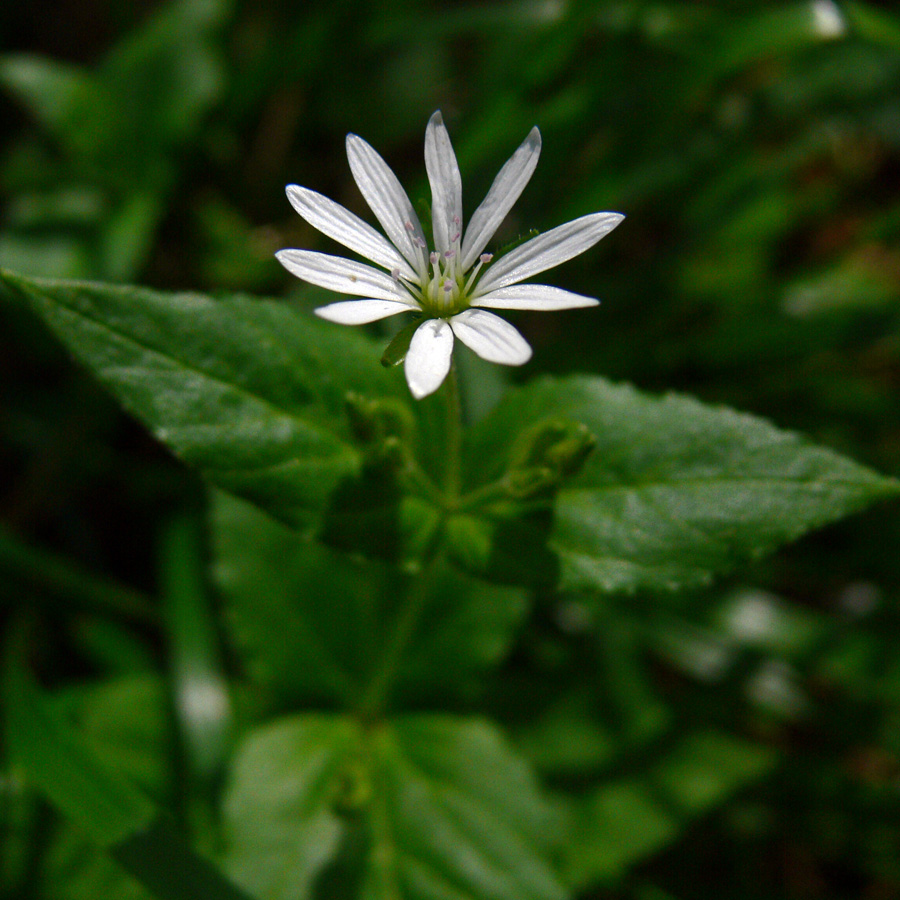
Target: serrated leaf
249	391
448	808
675	490
312	623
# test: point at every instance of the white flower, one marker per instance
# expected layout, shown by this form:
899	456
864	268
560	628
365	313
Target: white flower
451	285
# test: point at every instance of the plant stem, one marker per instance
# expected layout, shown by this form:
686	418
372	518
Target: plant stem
405	628
410	616
454	435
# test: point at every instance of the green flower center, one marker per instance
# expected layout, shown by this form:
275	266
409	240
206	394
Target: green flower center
447	291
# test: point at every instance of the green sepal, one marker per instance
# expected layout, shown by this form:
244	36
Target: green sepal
378	422
396	350
546	454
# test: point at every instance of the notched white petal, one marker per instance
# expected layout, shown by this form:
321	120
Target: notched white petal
506	189
346	276
446	184
343	226
548	250
491	337
428	358
361	312
541	297
388	201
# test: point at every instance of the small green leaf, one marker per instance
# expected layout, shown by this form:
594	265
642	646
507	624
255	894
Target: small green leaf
251	392
449	810
675	491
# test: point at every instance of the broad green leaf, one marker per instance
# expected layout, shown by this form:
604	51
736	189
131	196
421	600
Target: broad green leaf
279	819
675	491
125	723
622	822
251	392
98	798
446	807
312	623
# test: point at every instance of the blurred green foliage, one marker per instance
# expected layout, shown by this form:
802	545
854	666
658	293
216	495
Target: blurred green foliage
739	740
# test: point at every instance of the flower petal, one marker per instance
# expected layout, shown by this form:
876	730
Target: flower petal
540	297
428	358
507	186
388	201
361	312
346	276
446	184
548	250
491	337
343	226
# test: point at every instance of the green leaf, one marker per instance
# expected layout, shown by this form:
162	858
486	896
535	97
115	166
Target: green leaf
675	490
116	814
312	623
251	392
447	807
622	822
66	100
125	723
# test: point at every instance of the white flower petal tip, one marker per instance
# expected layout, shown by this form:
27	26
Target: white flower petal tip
491	337
388	201
428	358
446	186
345	276
548	250
344	227
537	297
361	312
506	189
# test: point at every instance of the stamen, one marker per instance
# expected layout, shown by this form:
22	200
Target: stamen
420	242
433	257
409	226
449	254
395	274
483	260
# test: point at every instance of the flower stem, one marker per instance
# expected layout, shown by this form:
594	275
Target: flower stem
405	627
454	435
409	618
